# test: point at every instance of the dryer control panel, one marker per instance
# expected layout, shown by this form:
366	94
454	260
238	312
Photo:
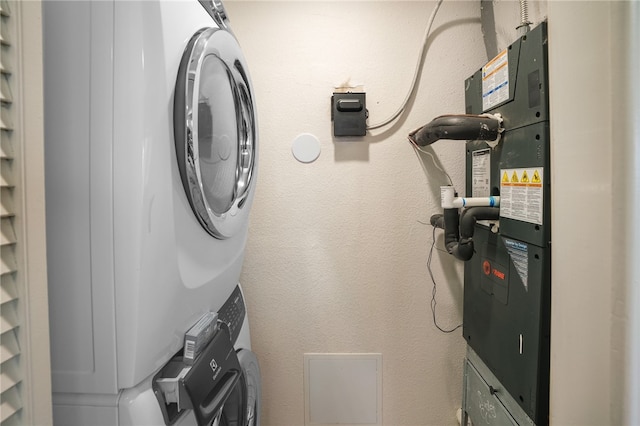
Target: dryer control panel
232	313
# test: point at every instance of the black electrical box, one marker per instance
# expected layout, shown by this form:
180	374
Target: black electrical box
349	114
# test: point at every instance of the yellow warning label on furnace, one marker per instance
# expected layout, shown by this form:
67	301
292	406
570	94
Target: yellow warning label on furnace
521	197
536	177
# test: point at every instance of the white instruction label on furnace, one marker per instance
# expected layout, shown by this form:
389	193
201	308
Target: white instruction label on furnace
521	194
481	173
495	81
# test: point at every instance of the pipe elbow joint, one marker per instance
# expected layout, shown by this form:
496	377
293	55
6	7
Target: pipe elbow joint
463	250
437	221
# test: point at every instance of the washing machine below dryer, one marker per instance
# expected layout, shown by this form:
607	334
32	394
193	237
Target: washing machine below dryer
146	220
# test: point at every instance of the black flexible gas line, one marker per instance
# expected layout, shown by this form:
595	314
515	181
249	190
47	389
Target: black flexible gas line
457	127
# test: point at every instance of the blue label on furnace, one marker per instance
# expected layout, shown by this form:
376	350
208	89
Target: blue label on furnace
519	253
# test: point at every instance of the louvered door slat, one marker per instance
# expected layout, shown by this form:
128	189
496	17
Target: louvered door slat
8	291
6	202
6	150
9	318
6	123
7	233
10	375
4	8
11	404
8	264
6	94
6	174
5	59
13	421
9	348
5	38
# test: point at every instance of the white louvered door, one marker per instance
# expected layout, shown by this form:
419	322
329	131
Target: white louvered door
10	355
24	358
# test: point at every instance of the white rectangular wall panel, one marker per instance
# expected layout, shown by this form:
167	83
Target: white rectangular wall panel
343	389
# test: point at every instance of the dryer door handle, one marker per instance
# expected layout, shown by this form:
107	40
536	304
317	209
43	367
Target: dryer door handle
209	409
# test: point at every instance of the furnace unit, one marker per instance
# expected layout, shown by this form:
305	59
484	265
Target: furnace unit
505	243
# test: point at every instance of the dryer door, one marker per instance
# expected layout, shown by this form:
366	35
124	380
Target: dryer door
215	131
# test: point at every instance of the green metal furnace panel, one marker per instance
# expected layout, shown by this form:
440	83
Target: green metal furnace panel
506	315
508	280
519	172
525	184
526	92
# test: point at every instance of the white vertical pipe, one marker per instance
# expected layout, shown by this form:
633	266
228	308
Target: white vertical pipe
447	195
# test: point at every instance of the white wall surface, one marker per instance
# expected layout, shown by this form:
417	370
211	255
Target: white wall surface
581	296
336	258
595	362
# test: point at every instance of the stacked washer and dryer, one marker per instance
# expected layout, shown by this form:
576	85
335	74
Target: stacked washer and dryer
151	156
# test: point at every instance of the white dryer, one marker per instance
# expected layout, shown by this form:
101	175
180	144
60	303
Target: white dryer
151	158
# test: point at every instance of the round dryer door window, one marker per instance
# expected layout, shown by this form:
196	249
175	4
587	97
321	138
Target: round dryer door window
215	131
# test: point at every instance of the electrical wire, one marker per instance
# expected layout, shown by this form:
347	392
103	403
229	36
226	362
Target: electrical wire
416	73
417	148
433	291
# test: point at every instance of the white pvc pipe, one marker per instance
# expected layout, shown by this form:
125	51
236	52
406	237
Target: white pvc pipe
477	202
447	195
449	200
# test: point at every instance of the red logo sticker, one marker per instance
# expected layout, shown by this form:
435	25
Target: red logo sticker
486	267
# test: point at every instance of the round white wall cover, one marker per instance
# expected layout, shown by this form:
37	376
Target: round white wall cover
306	148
